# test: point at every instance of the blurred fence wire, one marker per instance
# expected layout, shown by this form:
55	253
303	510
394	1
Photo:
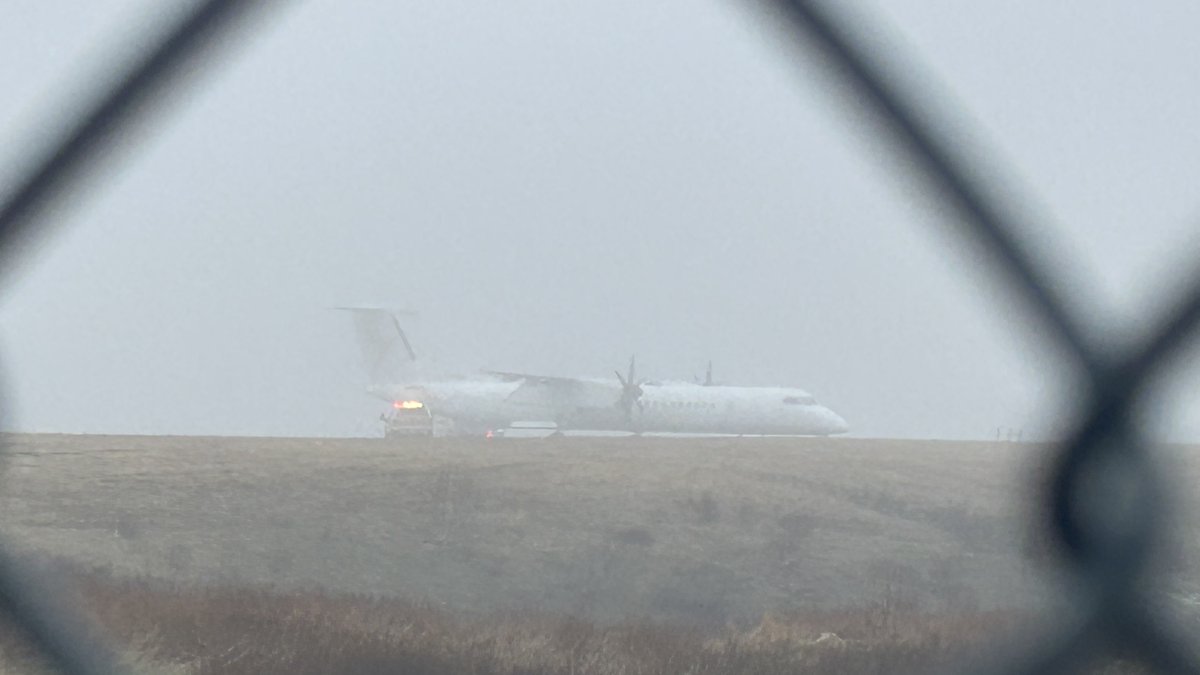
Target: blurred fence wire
26	596
1106	542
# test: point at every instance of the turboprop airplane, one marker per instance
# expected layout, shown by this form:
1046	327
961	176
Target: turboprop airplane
494	400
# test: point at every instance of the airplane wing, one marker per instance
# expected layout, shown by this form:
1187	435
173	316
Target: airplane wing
569	392
549	380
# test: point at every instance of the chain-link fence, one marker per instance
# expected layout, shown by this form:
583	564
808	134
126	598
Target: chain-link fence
1103	504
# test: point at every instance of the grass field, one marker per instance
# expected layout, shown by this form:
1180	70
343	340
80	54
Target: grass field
686	534
167	628
698	530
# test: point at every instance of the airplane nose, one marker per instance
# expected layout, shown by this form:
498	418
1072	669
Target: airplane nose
834	423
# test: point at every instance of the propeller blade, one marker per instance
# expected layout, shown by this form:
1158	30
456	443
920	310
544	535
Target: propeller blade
631	391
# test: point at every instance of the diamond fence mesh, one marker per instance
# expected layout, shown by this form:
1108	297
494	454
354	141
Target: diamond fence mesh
1106	541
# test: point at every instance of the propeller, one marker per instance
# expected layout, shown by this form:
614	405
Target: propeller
631	390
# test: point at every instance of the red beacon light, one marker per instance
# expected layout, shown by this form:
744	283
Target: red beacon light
407	405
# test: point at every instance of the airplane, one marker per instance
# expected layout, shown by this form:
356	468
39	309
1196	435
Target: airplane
495	400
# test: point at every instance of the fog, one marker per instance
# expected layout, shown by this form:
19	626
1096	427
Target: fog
556	187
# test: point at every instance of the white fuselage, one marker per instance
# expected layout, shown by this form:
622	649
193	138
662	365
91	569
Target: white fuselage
485	403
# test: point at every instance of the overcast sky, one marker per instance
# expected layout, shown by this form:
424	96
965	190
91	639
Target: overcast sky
556	186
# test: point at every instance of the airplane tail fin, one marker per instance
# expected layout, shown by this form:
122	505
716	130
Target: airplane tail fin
387	354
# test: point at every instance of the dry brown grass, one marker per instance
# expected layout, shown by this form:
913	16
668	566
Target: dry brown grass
236	631
680	530
910	554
